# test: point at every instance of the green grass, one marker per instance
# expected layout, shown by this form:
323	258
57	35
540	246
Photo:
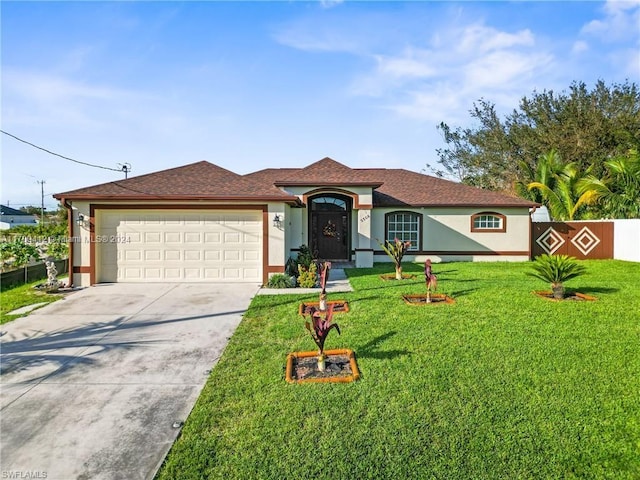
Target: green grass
501	385
21	296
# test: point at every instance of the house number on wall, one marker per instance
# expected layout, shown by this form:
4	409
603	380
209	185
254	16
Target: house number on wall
365	218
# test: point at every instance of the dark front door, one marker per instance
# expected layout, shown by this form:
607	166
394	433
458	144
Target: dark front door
330	221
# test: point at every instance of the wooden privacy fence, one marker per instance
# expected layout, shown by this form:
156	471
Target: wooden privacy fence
31	273
592	240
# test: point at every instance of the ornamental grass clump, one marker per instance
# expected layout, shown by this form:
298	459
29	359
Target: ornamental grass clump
396	251
556	270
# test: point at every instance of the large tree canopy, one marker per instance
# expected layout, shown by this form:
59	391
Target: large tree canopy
585	128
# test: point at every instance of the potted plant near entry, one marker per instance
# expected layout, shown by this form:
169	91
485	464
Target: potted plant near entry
319	326
396	251
556	270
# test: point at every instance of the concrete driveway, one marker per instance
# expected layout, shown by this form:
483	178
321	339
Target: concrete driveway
92	385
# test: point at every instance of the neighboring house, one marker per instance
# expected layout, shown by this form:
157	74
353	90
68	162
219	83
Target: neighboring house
202	223
10	217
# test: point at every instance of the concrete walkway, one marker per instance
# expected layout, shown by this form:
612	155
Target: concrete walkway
95	386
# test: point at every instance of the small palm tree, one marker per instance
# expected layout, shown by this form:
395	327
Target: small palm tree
396	251
556	269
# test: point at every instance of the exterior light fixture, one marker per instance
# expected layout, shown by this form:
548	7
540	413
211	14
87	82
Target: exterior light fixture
81	219
277	221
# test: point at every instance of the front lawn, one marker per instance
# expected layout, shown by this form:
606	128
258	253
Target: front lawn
21	296
501	385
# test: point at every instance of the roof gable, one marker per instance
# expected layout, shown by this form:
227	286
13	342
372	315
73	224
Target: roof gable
324	172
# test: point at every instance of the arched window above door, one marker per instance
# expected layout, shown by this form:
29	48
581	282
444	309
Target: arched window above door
328	204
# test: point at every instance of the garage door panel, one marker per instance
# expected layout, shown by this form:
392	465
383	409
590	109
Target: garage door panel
212	255
136	255
251	238
192	255
232	237
133	273
175	245
192	237
150	255
172	255
172	237
211	273
251	274
231	255
251	256
152	237
173	274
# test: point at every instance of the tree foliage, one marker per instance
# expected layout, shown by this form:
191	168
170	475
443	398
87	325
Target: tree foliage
618	192
585	127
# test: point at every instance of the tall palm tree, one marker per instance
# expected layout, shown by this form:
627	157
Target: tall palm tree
618	193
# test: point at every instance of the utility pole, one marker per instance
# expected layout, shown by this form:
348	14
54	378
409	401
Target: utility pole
126	168
41	182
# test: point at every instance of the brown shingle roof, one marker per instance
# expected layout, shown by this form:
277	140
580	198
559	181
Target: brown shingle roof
201	180
324	172
206	181
395	187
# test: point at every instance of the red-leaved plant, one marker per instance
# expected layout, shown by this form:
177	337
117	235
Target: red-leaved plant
430	279
319	327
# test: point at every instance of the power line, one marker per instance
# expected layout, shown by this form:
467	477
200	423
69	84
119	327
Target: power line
62	156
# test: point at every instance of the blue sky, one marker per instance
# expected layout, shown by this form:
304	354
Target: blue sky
250	85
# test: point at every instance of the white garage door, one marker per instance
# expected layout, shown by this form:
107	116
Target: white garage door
178	246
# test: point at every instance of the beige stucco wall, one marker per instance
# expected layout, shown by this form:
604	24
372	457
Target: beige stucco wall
447	231
277	238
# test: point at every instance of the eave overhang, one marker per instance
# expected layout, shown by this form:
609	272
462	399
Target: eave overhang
289	199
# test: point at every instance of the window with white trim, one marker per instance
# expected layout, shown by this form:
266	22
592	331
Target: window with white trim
488	222
404	226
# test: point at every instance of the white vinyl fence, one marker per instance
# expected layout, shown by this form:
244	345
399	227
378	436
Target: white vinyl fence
626	240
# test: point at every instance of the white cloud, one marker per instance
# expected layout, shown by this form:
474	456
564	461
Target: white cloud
503	69
457	67
312	35
579	47
52	89
434	104
412	63
478	38
621	22
330	3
